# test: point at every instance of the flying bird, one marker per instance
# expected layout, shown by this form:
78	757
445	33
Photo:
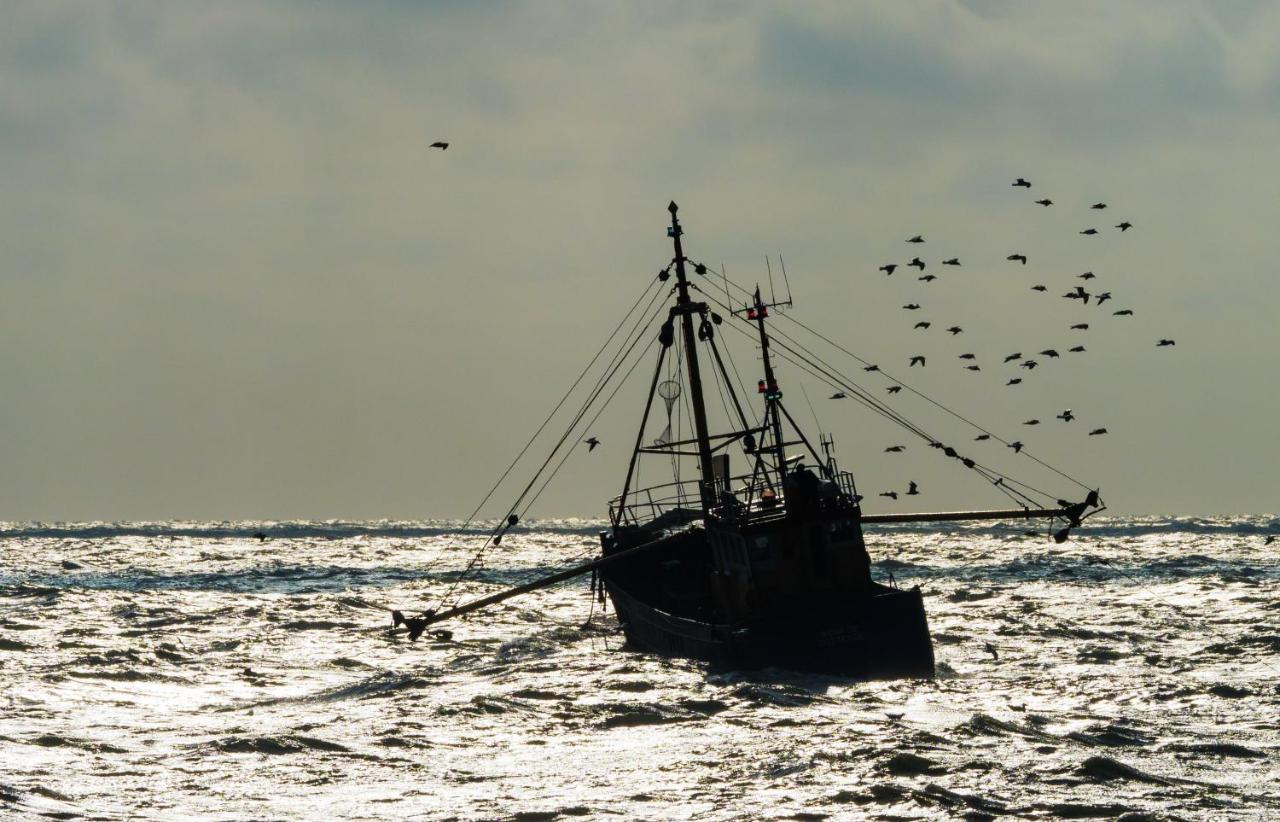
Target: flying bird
1077	349
982	438
895	449
1018	258
440	145
1031	422
952	261
871	368
1078	294
1021	183
1080	327
1013	357
912	488
917	262
1098	206
1038	288
918	359
1044	202
968	356
591	442
1124	312
1164	343
916	239
1049	352
1097	432
1016	445
1088	275
1066	416
1103	297
1029	364
893	389
1089	231
839	395
955	329
911	306
1014	381
973	368
988	647
1125	226
923	324
928	278
889	494
889	269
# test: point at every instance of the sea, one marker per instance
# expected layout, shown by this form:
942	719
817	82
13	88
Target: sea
190	670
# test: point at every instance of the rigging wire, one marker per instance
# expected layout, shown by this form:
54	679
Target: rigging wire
471	517
907	386
637	334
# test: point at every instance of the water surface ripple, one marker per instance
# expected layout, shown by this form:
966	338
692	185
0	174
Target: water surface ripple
188	670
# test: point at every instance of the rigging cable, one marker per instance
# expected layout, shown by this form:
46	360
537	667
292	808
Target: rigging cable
905	385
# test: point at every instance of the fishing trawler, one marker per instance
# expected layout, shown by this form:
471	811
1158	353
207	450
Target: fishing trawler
766	566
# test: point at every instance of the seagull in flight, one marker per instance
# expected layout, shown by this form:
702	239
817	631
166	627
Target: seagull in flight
912	488
1164	343
591	442
1029	364
1124	312
1031	422
1098	206
440	145
1044	202
890	494
923	324
1021	183
1080	327
968	356
1103	297
895	449
1049	352
955	329
1066	416
952	261
1017	258
893	389
1089	231
1088	275
918	359
1077	349
916	239
889	269
1038	288
839	395
871	368
982	438
917	262
911	306
1013	357
1097	432
1016	445
1125	226
1014	381
928	278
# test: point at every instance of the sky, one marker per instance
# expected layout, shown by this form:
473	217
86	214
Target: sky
237	283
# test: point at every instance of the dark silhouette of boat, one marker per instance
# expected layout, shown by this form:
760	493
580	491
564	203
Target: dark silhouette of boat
767	567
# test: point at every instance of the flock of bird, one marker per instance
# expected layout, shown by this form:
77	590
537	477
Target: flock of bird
1028	362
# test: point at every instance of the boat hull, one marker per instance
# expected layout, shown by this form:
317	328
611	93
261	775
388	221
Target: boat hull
881	636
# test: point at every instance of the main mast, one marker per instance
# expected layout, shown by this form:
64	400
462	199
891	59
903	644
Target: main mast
687	308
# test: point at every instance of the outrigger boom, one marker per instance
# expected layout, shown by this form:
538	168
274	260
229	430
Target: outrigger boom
416	625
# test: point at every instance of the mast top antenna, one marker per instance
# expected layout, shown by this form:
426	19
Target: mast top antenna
673	208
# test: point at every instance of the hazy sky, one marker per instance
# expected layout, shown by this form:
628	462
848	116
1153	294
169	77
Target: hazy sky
236	282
